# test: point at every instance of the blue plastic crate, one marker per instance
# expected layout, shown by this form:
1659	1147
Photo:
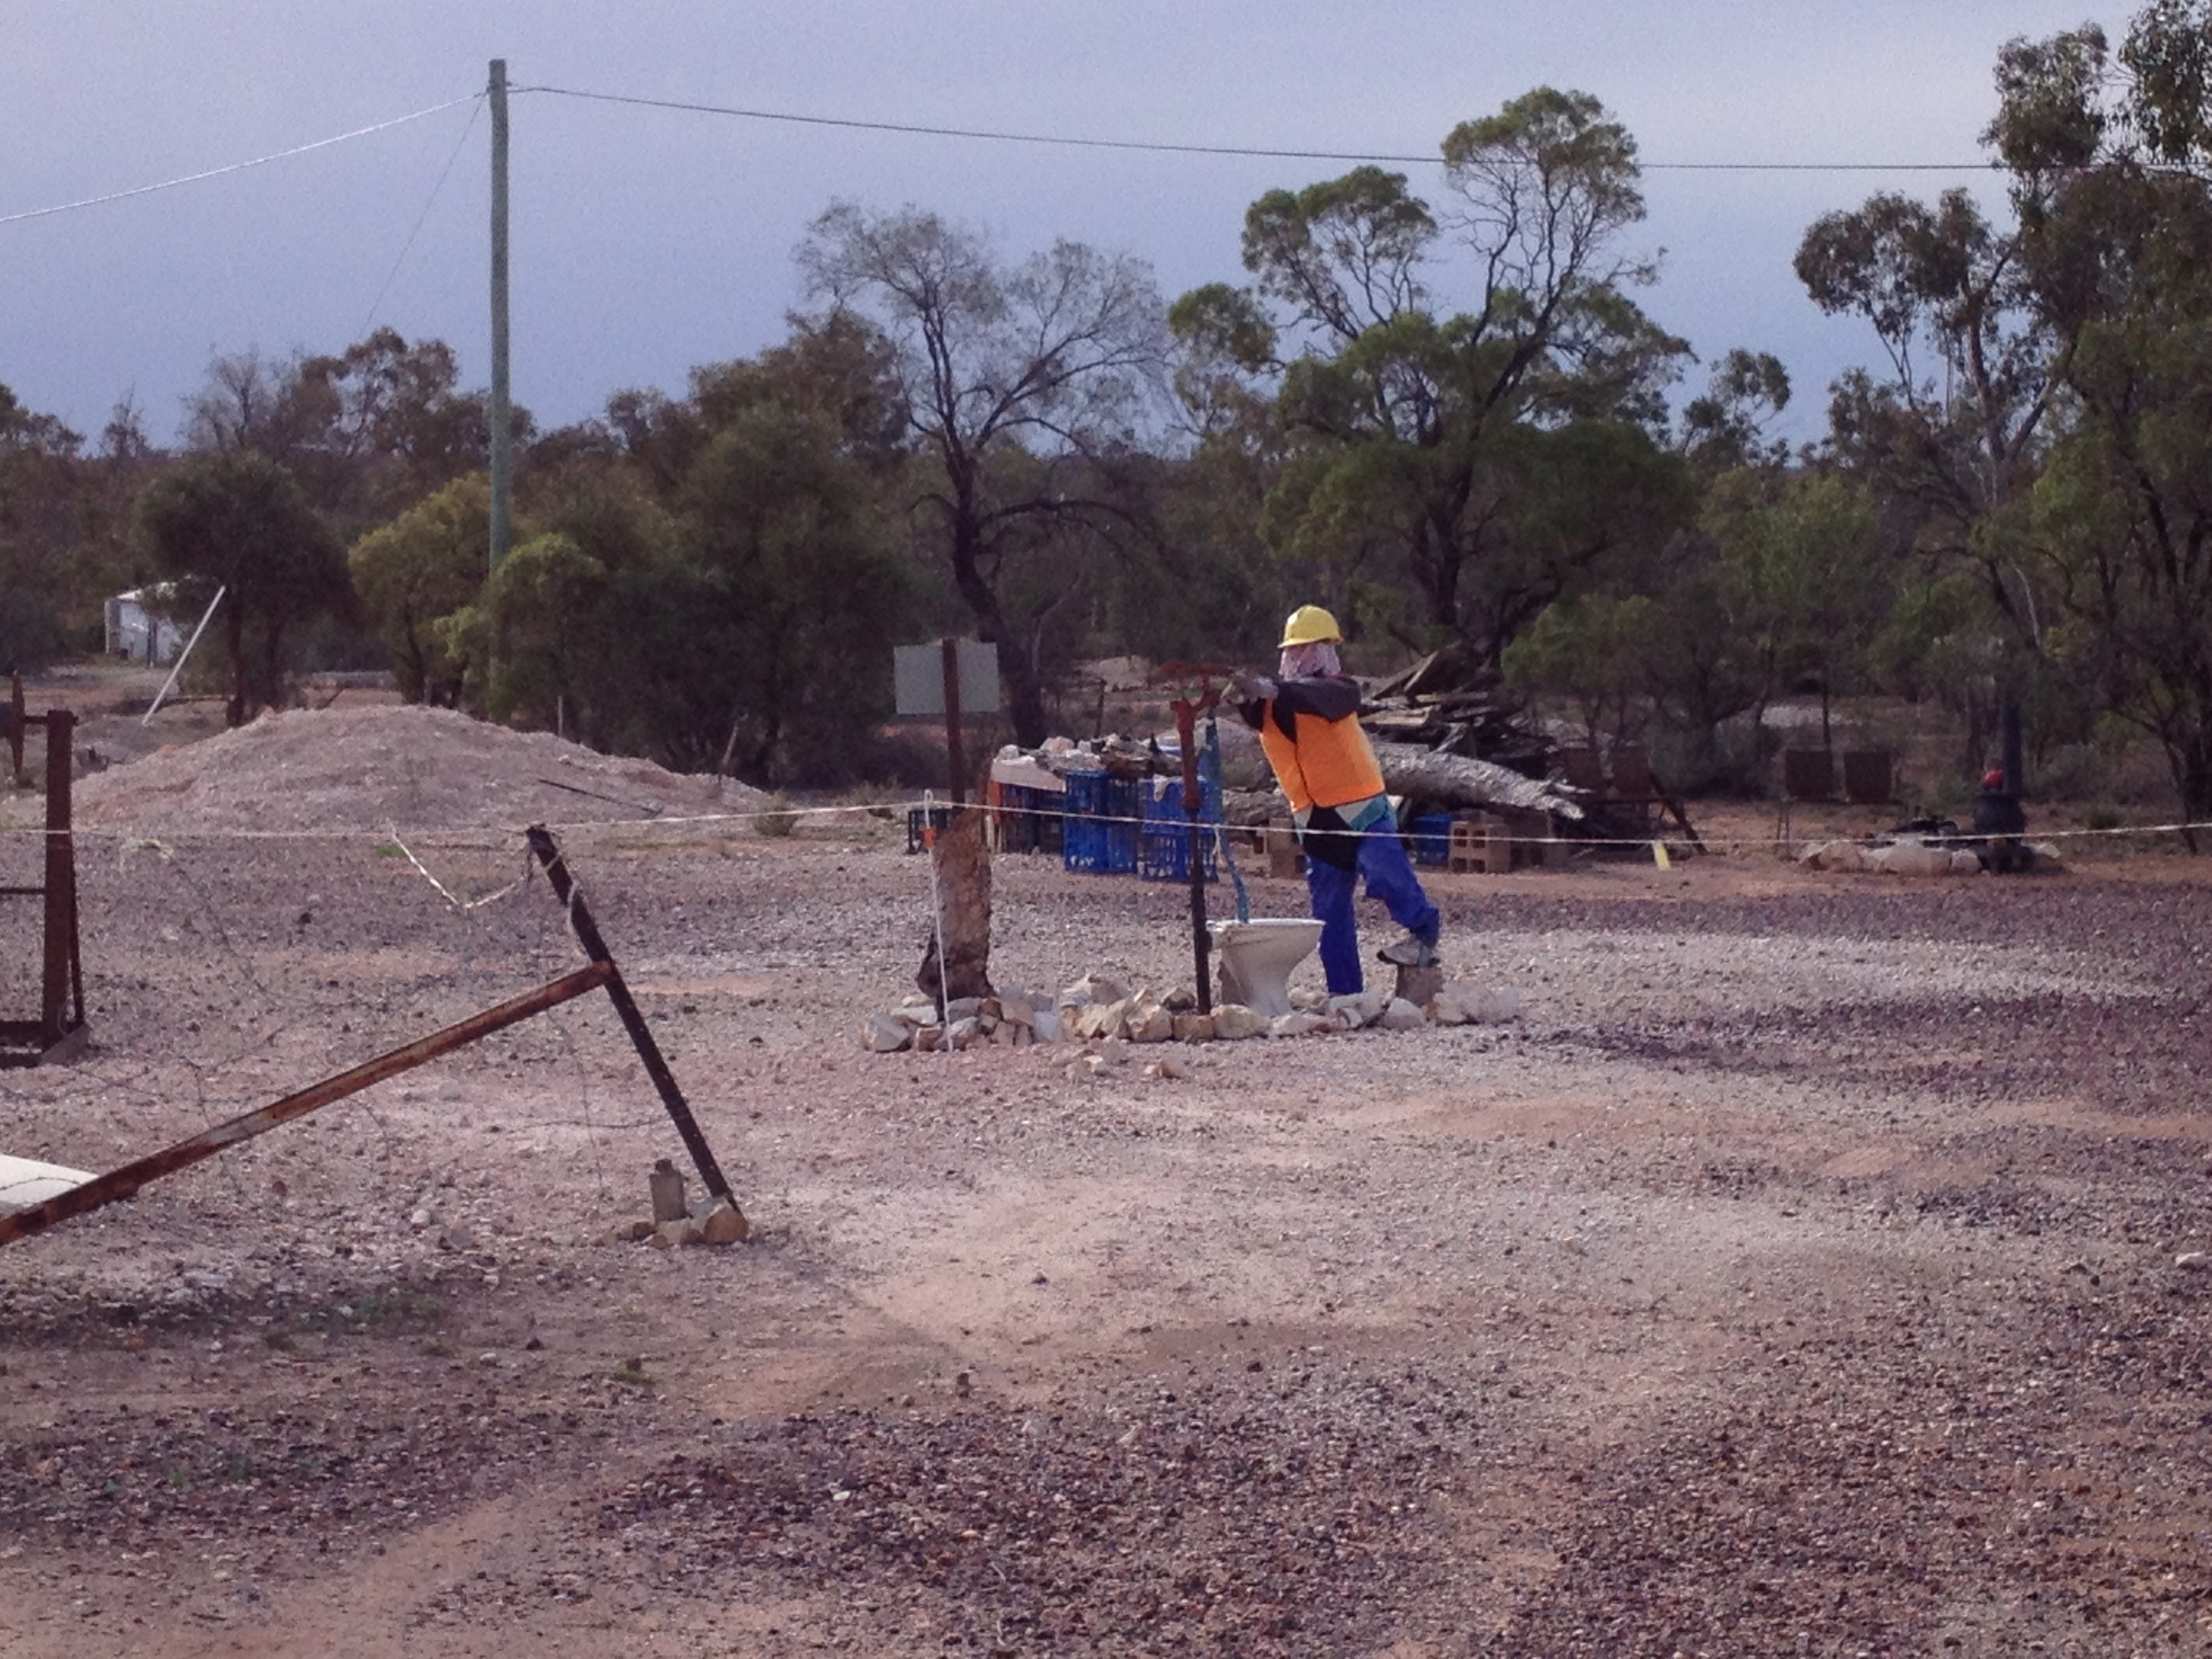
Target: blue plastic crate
1428	838
1100	821
1164	852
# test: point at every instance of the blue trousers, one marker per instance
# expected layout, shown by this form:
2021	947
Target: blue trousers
1390	878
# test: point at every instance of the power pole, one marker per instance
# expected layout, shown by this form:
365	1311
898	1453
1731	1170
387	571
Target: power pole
502	434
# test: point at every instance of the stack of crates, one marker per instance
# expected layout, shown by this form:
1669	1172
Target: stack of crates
1100	823
1164	853
1028	819
1428	837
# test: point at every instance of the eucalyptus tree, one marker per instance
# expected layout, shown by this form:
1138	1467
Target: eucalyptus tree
1026	387
1464	467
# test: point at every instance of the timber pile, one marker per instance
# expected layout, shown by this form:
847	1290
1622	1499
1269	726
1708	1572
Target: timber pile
1441	704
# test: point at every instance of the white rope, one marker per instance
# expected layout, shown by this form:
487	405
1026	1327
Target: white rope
877	809
461	906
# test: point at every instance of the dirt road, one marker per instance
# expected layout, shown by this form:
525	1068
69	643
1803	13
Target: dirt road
1809	1271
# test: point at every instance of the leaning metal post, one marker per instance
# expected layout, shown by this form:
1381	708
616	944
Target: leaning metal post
125	1182
587	933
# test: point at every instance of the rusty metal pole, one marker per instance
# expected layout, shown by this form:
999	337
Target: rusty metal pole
127	1181
543	849
953	758
1194	803
61	880
15	717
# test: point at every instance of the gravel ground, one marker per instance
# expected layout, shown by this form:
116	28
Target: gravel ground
1803	1274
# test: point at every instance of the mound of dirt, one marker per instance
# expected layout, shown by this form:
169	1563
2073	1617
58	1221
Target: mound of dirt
373	768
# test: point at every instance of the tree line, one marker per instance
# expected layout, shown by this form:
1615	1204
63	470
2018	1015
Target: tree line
1446	415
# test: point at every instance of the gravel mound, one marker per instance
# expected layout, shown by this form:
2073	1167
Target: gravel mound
373	768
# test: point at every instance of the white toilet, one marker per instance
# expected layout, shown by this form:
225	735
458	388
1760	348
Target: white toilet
1256	959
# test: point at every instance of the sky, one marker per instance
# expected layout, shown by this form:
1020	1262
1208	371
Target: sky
648	241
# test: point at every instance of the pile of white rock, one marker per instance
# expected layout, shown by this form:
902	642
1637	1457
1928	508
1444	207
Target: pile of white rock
1100	1009
1899	858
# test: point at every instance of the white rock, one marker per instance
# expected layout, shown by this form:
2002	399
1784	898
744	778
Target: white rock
961	1008
1094	988
2191	1261
1462	1003
1295	1024
1174	1070
1149	1021
1963	863
1101	1019
1194	1028
1233	1023
1048	1025
1310	999
1363	1009
1402	1016
1911	858
965	1033
886	1034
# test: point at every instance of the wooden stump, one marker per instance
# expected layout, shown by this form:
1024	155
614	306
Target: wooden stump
1419	986
962	863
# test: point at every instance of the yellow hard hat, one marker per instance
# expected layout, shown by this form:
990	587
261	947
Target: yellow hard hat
1310	625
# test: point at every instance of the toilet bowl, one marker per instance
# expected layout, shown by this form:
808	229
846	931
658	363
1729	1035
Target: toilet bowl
1256	959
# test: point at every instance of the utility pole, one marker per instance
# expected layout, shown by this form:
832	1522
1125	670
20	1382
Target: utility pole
502	433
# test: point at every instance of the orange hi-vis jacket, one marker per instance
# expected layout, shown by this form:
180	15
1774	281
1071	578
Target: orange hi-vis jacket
1310	732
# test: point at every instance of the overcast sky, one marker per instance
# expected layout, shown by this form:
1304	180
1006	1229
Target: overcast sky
648	241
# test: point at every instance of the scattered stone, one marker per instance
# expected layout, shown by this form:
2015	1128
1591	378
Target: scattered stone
1911	858
1048	1025
928	1038
1194	1028
2191	1261
1402	1016
1298	1026
419	1220
1173	1070
1181	1000
1361	1010
1149	1021
1963	863
961	1008
886	1034
1310	999
1474	1004
1094	988
1233	1023
726	1224
1015	1012
965	1033
1101	1020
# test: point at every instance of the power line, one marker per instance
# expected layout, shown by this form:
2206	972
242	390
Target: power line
423	218
233	166
1164	147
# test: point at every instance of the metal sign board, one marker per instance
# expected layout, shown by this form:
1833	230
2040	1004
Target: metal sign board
918	678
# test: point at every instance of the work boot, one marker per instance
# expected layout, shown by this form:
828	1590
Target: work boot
1411	952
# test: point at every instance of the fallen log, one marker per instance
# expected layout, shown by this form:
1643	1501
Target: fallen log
1458	781
1448	780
